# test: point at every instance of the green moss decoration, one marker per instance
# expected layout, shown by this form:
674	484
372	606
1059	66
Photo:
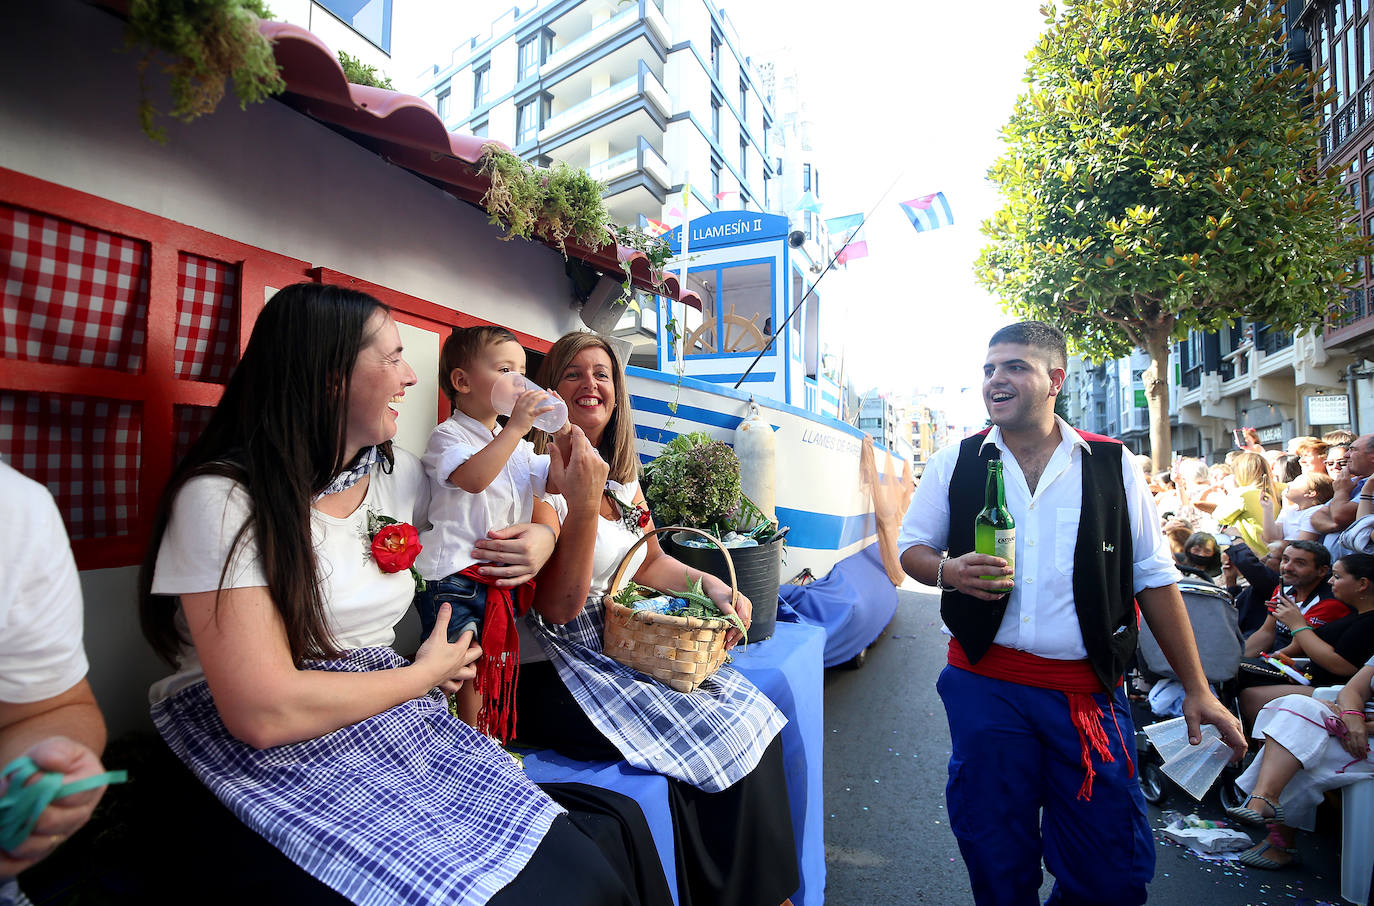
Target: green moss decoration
207	41
359	73
556	205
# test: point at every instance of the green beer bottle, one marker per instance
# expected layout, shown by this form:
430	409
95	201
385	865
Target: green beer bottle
994	531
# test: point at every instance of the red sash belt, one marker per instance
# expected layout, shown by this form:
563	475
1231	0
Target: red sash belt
499	669
1076	679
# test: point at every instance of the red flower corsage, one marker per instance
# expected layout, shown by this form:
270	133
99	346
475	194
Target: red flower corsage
634	516
394	545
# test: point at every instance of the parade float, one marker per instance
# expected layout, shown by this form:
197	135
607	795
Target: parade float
134	271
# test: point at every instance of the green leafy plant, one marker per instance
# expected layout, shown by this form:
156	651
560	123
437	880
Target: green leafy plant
557	205
359	73
205	43
1162	174
695	482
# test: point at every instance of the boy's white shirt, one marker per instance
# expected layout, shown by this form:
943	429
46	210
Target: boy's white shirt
458	519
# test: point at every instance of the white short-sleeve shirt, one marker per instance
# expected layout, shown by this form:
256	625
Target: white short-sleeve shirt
459	519
1041	617
362	603
41	651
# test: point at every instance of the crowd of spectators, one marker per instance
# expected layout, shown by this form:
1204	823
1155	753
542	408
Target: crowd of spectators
1283	532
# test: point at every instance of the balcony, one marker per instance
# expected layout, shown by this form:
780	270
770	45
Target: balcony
613	26
1347	121
644	83
641	158
1353	324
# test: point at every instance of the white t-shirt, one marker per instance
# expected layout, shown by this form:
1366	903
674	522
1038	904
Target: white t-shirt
1293	521
41	654
613	539
362	603
460	519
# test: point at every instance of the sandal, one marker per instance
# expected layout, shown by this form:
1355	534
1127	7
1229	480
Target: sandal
1256	858
1246	815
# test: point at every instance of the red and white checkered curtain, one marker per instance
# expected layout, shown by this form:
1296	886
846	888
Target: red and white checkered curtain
187	424
73	295
86	451
207	319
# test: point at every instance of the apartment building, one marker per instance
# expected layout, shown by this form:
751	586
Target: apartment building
359	28
648	96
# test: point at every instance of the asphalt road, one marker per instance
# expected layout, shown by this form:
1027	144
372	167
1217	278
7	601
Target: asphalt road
887	836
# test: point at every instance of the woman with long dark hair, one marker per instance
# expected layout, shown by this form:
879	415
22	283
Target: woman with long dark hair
277	572
718	746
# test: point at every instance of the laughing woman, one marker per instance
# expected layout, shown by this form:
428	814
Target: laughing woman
718	746
288	704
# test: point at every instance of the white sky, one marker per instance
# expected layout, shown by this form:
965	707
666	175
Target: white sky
909	91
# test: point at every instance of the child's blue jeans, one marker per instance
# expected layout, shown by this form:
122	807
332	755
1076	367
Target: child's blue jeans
465	595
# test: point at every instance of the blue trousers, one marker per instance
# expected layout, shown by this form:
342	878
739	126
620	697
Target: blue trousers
466	596
1014	774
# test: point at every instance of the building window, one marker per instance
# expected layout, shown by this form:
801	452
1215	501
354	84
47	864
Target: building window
441	105
743	100
715	181
715	117
529	57
806	224
744	200
481	84
715	53
526	122
369	18
816	182
743	159
806	177
766	180
480	129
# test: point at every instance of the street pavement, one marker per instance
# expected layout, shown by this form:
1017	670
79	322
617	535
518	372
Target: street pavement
887	834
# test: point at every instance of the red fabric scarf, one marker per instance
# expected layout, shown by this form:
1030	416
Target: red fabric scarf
1075	679
499	669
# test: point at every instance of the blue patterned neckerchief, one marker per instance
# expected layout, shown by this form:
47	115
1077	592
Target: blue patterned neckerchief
349	477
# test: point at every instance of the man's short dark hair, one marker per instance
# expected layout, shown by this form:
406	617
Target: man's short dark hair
1038	335
1320	555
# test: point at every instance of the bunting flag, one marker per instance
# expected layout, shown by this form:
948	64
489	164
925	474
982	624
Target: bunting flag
721	195
675	213
847	232
808	202
854	248
686	195
929	212
655	227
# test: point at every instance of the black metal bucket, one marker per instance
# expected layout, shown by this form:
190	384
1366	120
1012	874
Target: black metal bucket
758	569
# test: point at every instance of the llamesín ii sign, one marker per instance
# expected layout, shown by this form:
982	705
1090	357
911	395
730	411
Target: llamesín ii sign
728	228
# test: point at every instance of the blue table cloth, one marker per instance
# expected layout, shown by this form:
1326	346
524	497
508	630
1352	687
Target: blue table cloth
787	668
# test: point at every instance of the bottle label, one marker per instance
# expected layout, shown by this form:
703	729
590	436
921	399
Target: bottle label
1004	546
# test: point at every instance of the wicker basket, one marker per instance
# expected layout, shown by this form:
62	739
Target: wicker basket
679	652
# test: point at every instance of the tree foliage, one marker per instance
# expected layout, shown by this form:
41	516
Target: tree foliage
1161	174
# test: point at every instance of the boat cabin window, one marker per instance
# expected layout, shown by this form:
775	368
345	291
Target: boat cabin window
737	302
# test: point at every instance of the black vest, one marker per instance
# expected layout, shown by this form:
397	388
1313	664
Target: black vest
1102	565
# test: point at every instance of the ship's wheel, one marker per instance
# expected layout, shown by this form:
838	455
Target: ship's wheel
741	334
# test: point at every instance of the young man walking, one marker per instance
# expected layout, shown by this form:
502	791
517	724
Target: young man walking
1042	762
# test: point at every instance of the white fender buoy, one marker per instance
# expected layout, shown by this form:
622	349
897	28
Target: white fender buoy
757	451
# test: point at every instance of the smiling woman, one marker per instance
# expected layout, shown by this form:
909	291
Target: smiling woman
268	589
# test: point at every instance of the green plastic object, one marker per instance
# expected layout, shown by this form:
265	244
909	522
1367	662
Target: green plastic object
23	802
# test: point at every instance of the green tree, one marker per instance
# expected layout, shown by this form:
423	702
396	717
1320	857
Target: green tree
1161	175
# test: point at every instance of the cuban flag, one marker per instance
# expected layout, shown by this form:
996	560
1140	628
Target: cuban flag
929	212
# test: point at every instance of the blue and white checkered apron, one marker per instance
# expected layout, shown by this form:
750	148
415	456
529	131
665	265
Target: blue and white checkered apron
709	738
410	806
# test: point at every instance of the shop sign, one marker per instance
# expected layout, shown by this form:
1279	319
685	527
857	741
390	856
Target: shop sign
1328	409
1270	435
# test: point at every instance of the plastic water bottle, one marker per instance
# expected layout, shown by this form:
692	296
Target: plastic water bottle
507	390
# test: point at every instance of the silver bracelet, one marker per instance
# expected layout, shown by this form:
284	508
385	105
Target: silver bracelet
940	574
